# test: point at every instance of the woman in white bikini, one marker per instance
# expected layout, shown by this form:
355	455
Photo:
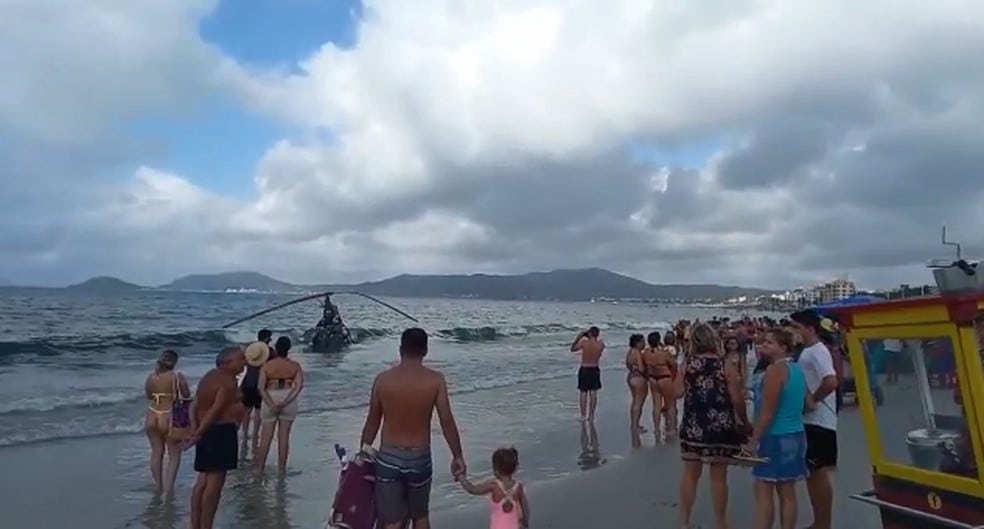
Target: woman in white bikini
164	388
281	381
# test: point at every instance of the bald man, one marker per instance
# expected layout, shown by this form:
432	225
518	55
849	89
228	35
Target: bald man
215	416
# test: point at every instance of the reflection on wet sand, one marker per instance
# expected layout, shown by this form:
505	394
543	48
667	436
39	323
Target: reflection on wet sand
160	513
260	503
590	456
254	503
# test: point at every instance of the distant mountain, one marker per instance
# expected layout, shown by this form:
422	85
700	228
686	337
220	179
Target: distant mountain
230	281
561	285
105	285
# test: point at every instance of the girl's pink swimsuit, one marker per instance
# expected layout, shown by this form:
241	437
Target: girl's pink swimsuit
501	519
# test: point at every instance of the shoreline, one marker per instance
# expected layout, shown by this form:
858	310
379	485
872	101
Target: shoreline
538	417
570	484
632	493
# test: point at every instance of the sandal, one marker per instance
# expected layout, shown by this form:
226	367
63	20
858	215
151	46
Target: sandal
747	457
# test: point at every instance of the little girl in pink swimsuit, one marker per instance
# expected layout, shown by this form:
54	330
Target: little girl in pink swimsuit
507	500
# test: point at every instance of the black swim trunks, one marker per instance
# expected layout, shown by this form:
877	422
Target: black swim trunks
251	398
218	449
821	447
589	378
403	483
249	388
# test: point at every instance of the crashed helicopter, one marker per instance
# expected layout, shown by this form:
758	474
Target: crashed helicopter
330	335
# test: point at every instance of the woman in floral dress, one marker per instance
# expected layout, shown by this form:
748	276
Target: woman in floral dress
714	423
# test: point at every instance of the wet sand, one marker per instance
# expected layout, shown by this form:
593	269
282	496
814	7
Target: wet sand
641	490
100	485
103	483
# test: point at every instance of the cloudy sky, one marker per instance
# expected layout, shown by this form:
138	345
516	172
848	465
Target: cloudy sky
758	142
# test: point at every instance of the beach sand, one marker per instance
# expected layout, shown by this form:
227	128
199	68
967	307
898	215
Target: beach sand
102	484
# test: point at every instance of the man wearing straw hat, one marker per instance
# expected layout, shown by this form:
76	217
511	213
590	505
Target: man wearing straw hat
257	353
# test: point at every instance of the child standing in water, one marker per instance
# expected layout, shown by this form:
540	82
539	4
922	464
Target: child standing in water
507	499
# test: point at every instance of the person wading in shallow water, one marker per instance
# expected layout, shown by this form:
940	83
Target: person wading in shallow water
257	353
403	400
636	380
590	345
215	417
281	382
163	387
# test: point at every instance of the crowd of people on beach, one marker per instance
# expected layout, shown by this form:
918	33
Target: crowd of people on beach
752	392
254	389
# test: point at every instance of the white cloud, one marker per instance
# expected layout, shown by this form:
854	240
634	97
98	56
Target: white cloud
464	136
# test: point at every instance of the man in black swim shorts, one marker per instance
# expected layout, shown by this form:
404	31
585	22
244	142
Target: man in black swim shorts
589	344
215	419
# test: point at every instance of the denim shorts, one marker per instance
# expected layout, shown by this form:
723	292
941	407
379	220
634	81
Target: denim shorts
787	458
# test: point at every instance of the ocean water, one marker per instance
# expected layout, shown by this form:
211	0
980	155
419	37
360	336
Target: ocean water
72	369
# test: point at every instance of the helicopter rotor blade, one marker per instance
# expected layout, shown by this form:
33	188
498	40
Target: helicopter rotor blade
278	307
317	296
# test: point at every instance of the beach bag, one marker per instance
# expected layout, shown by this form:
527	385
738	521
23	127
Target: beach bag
180	429
354	506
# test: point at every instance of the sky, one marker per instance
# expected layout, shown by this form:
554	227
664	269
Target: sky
769	143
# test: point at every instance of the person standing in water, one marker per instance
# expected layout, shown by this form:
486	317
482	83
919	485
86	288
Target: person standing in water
660	371
164	386
281	382
215	418
589	344
636	380
403	401
257	353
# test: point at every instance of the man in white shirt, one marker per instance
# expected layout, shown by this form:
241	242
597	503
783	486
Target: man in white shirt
820	422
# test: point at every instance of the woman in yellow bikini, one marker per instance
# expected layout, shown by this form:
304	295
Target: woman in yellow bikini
164	387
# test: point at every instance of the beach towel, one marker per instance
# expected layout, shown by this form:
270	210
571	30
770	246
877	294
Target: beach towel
354	506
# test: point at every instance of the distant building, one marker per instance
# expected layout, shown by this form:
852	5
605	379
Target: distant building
839	288
905	291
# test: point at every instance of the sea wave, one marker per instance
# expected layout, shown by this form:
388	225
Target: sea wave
214	339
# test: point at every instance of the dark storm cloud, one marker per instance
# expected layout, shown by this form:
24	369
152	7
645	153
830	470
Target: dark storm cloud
774	155
530	197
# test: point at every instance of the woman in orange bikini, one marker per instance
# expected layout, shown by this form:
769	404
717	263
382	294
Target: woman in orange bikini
660	367
164	388
636	380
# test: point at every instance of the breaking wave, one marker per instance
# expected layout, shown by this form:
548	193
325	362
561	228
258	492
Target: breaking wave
214	339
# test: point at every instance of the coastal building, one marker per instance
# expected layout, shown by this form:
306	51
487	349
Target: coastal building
905	291
839	288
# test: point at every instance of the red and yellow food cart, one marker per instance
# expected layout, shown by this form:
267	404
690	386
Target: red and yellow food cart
926	440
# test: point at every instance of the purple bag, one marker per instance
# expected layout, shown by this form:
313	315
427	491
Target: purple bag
180	429
354	506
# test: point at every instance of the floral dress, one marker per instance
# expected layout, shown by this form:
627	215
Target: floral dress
709	431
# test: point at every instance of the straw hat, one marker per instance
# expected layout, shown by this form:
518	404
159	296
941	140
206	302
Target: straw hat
257	354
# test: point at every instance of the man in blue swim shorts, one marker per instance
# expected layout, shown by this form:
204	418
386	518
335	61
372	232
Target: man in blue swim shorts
402	402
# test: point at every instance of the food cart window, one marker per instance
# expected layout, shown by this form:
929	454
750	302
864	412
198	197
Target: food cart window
920	421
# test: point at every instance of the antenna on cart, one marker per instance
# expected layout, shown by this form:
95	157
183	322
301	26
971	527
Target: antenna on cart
948	243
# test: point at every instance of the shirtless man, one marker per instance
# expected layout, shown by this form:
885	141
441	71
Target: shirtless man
215	417
589	344
403	400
